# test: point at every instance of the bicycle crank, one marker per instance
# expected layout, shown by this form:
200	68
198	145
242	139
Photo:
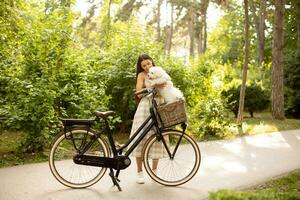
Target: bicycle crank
120	162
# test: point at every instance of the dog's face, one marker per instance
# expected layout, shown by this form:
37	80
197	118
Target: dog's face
157	72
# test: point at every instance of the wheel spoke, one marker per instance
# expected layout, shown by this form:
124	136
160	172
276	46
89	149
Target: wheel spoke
179	169
66	171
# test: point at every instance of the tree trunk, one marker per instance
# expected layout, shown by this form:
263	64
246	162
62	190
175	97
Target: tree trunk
87	19
200	36
158	20
202	27
298	26
108	13
259	22
205	33
277	62
261	33
125	12
191	29
245	68
205	6
170	32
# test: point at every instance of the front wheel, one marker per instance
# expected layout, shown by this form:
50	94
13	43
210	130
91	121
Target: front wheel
173	160
65	147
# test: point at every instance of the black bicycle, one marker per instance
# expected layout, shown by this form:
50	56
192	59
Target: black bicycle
80	156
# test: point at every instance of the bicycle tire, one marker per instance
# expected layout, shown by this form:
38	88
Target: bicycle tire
61	159
172	171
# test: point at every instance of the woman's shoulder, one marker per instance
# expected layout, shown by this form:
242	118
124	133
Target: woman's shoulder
141	76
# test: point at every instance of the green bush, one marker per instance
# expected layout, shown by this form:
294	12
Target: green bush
207	114
49	80
256	99
292	84
209	119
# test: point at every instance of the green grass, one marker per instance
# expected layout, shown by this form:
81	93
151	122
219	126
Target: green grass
10	156
285	187
9	141
260	123
264	123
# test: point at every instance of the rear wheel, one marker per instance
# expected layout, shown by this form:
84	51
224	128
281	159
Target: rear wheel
61	163
173	162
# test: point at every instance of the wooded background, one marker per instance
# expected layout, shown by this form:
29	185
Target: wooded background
56	63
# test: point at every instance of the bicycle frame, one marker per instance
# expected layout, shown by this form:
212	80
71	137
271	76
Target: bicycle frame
142	131
147	125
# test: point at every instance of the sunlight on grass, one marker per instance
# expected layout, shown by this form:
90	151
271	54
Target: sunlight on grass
262	127
285	187
264	123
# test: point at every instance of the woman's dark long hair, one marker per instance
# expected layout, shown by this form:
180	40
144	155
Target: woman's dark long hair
139	68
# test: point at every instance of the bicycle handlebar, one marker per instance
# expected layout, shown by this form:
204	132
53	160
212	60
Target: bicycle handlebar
144	91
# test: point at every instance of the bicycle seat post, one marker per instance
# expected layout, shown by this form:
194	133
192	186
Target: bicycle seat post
110	138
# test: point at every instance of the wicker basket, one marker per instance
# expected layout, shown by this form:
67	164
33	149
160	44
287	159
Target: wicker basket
171	114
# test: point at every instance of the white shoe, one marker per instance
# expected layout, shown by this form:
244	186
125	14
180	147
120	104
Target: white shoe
155	171
140	178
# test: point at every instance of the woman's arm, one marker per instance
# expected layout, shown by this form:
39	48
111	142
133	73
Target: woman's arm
140	84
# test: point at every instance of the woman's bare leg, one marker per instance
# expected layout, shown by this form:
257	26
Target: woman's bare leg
139	164
154	164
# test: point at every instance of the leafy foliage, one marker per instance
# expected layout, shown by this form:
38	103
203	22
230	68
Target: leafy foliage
292	61
256	99
55	65
292	84
46	81
208	116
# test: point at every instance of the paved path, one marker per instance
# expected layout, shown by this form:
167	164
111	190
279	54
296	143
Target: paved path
237	163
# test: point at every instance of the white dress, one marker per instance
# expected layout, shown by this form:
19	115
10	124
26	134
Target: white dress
141	114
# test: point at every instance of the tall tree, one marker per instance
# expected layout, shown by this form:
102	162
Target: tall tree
205	7
158	20
169	32
191	27
201	26
245	68
125	12
201	33
277	62
259	22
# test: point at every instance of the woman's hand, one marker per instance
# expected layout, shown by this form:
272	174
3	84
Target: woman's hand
160	86
142	91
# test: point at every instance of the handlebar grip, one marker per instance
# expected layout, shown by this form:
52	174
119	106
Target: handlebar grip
143	91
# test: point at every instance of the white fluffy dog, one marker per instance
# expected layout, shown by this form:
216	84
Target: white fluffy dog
157	77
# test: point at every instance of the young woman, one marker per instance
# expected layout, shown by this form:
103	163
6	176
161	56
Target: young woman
144	63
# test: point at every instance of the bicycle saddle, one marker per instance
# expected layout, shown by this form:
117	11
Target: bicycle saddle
104	114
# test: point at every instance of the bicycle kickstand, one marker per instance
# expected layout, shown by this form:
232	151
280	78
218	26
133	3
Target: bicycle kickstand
114	179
